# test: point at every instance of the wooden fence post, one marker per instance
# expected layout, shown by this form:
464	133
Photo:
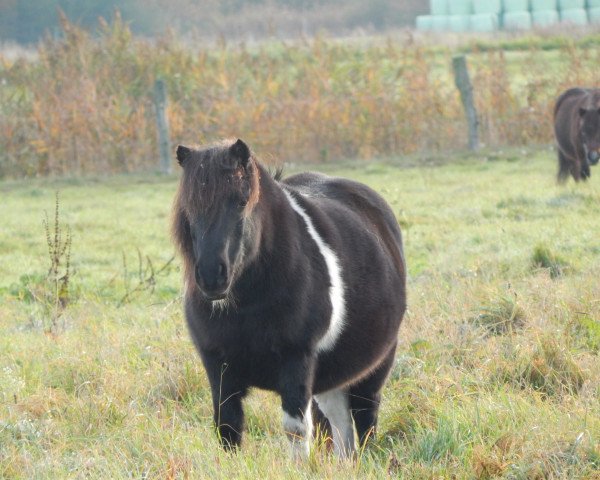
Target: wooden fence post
162	125
463	83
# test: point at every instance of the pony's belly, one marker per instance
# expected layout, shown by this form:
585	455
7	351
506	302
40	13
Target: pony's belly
335	370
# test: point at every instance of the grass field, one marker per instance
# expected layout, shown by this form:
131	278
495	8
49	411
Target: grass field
497	373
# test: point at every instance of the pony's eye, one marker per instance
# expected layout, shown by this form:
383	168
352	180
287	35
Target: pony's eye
243	203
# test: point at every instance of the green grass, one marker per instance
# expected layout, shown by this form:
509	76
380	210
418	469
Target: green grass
497	373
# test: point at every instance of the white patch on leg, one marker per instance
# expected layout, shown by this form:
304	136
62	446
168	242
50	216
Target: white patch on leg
336	289
335	405
299	432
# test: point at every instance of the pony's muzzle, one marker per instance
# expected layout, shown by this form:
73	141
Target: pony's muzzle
213	280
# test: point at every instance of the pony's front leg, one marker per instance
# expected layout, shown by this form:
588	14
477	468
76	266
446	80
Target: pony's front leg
295	388
227	395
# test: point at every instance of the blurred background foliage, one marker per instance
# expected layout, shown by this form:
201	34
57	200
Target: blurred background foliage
83	103
80	101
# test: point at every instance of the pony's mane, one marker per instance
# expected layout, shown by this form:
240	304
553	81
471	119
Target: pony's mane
277	174
595	98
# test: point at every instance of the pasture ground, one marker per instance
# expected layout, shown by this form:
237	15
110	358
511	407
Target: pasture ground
497	374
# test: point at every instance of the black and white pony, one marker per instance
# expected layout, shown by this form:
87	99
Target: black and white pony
295	286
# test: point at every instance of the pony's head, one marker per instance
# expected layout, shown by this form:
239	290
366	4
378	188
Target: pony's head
589	119
213	224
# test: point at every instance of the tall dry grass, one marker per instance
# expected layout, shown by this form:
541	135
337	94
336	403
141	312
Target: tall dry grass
85	104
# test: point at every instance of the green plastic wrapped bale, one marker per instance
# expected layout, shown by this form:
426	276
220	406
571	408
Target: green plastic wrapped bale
439	23
570	4
484	22
424	22
545	18
458	23
516	20
438	7
575	16
516	6
594	15
486	6
460	7
543	5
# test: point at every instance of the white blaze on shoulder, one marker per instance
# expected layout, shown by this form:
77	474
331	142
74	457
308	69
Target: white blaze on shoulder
336	289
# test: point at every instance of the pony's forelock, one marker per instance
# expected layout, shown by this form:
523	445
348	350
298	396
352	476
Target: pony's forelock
211	175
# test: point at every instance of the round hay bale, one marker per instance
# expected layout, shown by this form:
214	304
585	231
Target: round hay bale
460	7
570	4
575	16
424	23
438	7
516	6
439	23
484	22
545	18
458	23
487	6
543	5
516	20
594	15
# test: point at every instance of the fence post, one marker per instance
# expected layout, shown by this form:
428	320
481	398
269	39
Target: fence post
463	83
162	125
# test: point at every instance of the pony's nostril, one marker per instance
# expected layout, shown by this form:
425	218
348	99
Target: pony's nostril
222	273
211	278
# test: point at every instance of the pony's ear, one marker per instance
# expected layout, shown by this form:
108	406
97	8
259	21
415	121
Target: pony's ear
240	151
183	153
582	112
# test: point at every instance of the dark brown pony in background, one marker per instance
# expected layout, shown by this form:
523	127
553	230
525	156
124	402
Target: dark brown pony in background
295	286
577	130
